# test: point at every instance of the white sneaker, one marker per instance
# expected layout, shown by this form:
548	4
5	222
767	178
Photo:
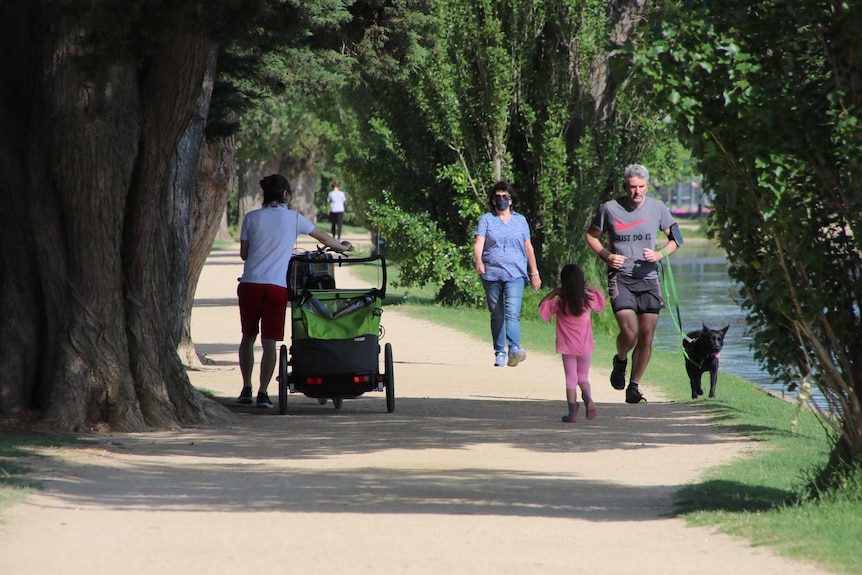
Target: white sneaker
516	356
500	359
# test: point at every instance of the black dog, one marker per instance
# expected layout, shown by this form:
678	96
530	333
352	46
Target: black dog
702	349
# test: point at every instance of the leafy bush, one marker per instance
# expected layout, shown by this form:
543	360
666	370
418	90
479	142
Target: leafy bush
425	255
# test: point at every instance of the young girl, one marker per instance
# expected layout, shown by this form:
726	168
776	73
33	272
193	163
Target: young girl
572	303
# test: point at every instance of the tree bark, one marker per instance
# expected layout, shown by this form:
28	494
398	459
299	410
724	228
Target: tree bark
213	184
94	128
154	314
33	305
223	233
623	18
95	212
249	175
20	297
304	184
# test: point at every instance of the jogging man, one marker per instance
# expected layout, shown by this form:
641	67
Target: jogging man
632	222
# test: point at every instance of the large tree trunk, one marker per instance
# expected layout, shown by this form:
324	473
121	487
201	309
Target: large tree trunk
24	320
154	314
94	290
623	18
213	184
223	233
304	183
248	180
95	130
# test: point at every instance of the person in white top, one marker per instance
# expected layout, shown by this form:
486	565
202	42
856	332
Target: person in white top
337	206
266	244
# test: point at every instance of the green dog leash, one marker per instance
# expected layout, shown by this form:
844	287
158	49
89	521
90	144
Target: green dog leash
671	297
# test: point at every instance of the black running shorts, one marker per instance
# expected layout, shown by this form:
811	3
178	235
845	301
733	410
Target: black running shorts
640	295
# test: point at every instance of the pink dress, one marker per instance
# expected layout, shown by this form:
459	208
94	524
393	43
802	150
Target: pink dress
574	332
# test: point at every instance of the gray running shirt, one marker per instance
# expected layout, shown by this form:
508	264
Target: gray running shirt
630	231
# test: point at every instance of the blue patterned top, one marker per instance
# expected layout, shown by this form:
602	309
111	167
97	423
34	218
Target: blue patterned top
503	254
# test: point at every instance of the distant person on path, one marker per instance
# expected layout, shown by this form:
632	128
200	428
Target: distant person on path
337	206
266	244
572	303
505	261
632	222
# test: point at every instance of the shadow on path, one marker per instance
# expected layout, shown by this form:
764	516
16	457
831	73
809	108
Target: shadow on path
313	460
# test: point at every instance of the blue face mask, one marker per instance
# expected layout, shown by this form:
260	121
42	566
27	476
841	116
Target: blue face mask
502	204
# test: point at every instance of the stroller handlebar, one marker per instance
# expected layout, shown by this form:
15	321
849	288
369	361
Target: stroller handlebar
323	257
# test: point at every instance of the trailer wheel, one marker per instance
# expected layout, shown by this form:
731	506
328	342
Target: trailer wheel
389	378
282	380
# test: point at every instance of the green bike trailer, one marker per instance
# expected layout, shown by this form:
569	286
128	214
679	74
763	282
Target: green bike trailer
335	331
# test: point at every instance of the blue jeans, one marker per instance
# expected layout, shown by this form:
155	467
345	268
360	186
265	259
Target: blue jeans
504	303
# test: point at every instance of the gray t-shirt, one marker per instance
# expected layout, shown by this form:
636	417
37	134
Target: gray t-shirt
630	231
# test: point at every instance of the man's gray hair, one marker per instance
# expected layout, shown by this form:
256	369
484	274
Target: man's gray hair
636	171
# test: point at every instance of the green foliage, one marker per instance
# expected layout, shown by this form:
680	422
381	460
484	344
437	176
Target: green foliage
527	91
766	99
305	52
433	259
285	128
267	47
290	87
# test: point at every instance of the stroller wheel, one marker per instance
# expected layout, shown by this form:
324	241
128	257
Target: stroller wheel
282	380
389	379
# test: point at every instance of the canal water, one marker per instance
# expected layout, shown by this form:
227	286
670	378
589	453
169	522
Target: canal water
706	295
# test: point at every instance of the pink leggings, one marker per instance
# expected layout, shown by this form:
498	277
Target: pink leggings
577	368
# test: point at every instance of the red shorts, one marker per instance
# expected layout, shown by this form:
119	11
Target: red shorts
263	305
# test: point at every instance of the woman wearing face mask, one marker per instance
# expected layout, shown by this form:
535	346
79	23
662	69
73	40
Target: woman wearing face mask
505	261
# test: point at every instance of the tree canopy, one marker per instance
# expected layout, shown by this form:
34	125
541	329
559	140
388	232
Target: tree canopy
539	93
770	101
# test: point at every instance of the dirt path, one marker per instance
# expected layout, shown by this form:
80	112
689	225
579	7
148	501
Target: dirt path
472	473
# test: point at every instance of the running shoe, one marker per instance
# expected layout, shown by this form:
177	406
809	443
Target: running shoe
618	375
516	356
244	397
633	394
263	400
500	359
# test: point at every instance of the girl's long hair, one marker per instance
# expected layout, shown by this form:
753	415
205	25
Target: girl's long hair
573	295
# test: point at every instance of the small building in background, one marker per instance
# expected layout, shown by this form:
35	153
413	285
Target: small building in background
685	199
